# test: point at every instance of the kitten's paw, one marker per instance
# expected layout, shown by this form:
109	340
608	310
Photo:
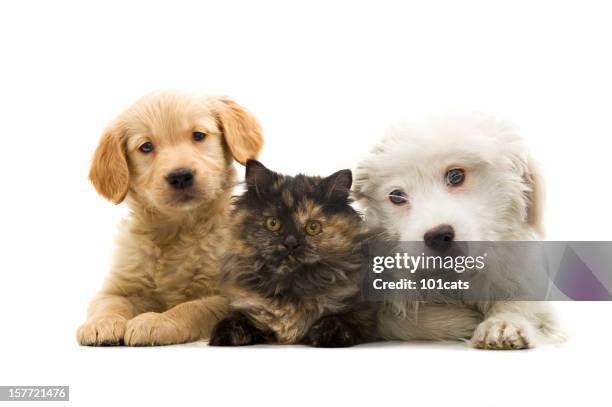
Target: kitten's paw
504	334
330	332
235	330
151	329
102	330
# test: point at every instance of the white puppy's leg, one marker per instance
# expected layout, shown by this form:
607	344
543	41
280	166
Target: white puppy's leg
511	325
441	322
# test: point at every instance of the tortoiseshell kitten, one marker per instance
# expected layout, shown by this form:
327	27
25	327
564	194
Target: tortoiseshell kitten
294	273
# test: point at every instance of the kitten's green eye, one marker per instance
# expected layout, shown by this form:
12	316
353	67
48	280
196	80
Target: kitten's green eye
273	224
313	227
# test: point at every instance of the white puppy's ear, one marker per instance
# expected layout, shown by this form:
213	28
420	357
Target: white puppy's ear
535	196
364	190
362	183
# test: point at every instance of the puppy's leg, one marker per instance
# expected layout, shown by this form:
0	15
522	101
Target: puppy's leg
107	318
439	322
186	322
237	330
512	325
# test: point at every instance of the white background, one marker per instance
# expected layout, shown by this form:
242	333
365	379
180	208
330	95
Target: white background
325	80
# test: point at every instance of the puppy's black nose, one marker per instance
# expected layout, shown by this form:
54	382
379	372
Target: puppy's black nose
440	238
290	242
181	178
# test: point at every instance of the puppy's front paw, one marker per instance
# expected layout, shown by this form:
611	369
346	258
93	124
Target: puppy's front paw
102	330
504	334
151	329
235	330
330	332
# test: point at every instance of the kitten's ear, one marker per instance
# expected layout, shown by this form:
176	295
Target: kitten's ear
338	185
257	175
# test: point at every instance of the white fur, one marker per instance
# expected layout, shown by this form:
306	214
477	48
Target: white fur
500	200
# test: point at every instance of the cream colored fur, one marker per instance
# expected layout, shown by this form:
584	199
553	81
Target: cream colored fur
162	287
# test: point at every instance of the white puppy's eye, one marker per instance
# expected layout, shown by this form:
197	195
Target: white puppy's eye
398	197
455	177
146	147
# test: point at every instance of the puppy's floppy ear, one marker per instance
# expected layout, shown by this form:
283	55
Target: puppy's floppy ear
242	132
535	196
109	171
361	182
363	179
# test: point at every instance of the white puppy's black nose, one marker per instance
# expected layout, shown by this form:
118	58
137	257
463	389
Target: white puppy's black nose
439	238
181	178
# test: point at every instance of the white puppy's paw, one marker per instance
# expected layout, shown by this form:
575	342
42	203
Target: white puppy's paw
151	329
504	334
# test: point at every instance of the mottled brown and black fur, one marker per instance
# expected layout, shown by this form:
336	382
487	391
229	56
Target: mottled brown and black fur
287	285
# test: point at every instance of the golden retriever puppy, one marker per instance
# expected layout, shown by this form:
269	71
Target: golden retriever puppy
170	158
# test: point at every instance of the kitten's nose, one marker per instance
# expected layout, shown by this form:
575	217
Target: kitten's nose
290	242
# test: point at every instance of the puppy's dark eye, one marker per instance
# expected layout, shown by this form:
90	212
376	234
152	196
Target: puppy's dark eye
455	177
398	197
198	136
146	147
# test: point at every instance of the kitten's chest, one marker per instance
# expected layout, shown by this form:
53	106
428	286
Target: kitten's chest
289	322
291	316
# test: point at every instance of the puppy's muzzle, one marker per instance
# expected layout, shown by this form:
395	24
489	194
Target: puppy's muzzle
439	238
181	178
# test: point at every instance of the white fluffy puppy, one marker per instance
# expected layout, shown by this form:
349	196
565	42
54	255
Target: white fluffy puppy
464	178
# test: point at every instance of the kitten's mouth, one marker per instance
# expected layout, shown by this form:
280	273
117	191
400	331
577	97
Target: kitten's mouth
288	261
290	257
293	260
